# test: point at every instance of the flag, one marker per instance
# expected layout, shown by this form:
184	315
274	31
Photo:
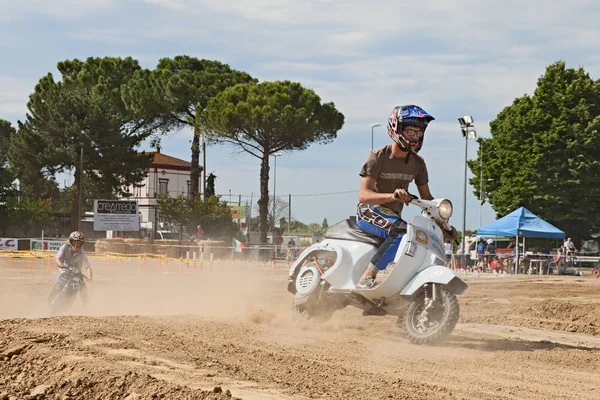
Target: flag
237	245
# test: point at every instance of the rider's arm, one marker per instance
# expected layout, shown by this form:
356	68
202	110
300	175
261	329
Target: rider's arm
60	256
367	194
85	261
424	192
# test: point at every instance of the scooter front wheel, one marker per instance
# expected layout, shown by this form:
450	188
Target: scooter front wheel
425	324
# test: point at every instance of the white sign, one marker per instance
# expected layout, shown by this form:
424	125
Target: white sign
8	244
116	215
47	245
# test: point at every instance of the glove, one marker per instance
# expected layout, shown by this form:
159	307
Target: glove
451	234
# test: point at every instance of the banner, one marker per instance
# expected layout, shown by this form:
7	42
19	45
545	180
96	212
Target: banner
116	215
8	244
47	245
238	212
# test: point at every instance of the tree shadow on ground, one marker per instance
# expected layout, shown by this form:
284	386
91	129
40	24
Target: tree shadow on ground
499	344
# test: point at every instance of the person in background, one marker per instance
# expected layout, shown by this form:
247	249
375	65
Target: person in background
291	248
69	256
569	247
556	261
459	262
490	252
200	233
481	247
448	251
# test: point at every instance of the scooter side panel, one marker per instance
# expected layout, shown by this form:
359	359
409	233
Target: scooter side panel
347	270
428	234
418	250
352	258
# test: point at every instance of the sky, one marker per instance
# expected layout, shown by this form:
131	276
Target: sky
453	58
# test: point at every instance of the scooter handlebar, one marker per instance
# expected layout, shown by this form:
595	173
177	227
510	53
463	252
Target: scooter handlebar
412	196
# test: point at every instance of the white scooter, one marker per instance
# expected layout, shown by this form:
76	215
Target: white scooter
419	289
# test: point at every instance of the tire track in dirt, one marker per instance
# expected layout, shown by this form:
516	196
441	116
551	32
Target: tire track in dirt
341	360
238	334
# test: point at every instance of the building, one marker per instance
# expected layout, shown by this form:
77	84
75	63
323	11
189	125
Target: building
167	175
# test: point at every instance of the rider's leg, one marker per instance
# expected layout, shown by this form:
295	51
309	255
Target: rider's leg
83	292
387	251
382	222
59	284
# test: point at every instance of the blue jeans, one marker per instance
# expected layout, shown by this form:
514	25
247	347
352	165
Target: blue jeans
386	224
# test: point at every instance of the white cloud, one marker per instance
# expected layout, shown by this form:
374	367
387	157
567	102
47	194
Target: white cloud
14	94
61	9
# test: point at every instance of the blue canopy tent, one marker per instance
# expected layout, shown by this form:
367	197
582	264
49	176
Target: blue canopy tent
521	223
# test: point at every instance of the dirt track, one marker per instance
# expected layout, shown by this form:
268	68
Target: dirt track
213	334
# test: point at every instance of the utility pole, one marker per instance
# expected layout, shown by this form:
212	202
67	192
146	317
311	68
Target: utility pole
80	206
203	167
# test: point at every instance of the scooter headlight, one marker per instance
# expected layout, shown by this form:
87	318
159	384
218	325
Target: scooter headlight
445	209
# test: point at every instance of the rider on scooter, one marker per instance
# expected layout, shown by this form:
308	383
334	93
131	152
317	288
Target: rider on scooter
71	254
383	187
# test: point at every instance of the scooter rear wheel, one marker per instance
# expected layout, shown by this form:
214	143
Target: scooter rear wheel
429	326
305	312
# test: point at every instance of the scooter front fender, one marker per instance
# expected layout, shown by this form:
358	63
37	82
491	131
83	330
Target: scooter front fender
435	274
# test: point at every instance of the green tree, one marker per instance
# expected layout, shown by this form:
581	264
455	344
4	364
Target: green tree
29	213
324	224
175	211
268	117
543	153
83	110
7	178
177	92
213	214
210	185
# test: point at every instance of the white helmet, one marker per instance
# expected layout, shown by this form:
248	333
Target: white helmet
490	241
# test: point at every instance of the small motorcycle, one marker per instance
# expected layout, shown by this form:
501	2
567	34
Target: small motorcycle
70	282
419	289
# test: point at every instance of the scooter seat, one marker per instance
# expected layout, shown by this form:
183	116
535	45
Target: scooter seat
349	230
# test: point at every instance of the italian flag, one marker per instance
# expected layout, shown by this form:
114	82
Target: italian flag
237	245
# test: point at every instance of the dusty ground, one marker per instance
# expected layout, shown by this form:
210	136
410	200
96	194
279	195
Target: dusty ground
227	332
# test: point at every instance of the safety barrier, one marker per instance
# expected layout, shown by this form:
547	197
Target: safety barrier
223	255
192	262
538	263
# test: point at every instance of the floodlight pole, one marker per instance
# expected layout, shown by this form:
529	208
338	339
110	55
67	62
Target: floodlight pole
466	126
464	221
480	186
373	126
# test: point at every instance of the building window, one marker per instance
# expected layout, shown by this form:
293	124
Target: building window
163	186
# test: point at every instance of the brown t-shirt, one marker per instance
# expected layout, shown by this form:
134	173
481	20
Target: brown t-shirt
391	173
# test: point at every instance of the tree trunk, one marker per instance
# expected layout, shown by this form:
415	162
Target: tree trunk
263	202
195	172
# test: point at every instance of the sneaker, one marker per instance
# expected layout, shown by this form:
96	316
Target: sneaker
366	283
